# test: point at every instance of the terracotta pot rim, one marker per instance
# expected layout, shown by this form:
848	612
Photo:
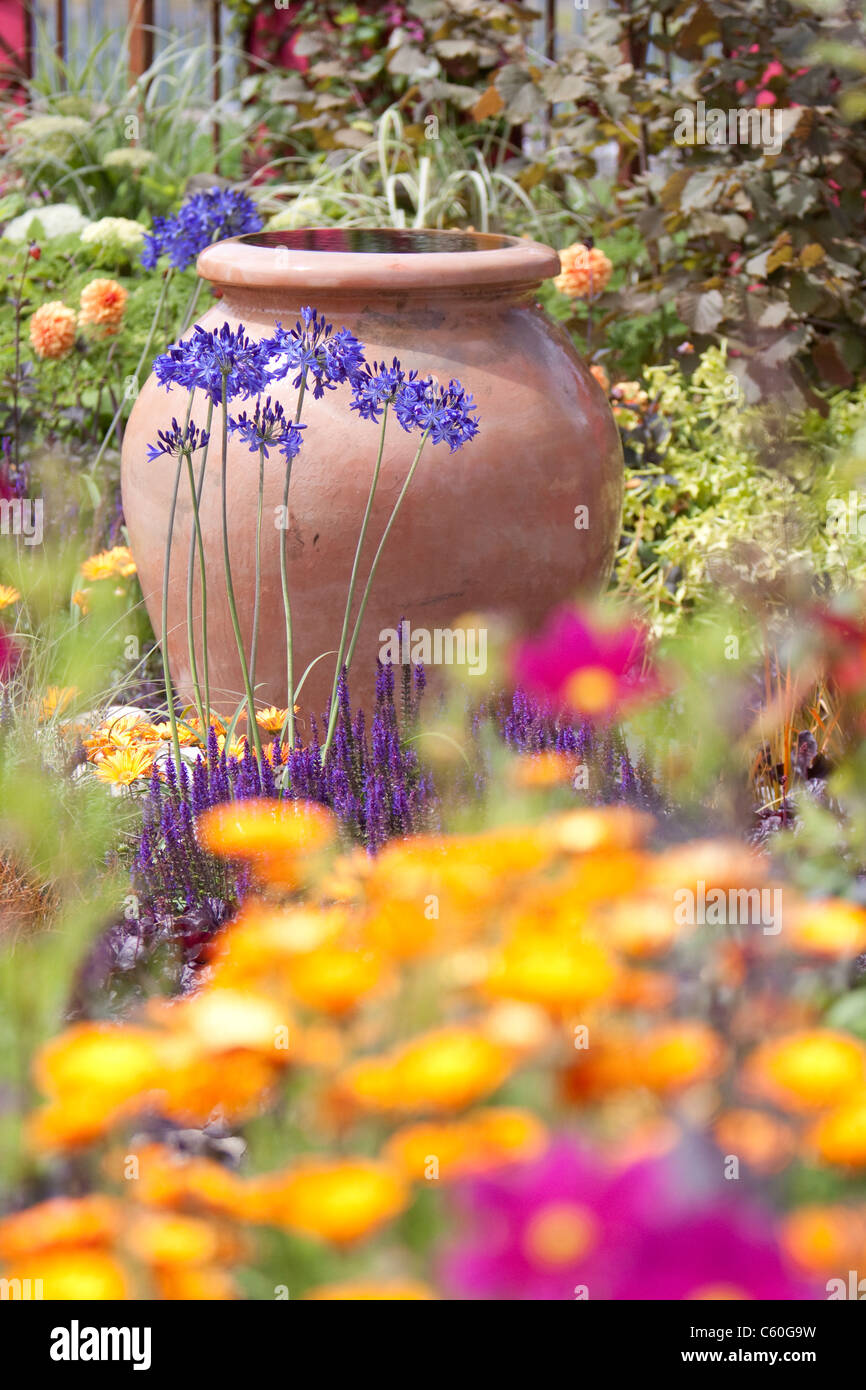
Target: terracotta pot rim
293	260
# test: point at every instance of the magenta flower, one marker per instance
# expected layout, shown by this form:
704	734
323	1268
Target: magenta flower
569	1226
595	672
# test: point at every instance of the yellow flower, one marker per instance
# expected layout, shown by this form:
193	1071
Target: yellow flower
116	563
8	595
446	1069
56	700
678	1054
124	767
557	972
840	1137
271	720
79	1274
338	1200
52	330
103	303
92	1073
585	271
809	1070
80	599
829	928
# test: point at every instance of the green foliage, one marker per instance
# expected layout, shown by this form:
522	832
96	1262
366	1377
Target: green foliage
719	494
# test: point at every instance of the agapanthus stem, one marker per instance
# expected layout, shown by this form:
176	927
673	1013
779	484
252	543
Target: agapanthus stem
197	539
258	597
385	534
332	718
284	580
166	569
190	586
144	351
230	592
190	309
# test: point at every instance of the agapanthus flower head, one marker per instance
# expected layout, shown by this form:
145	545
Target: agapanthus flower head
315	353
447	412
375	386
585	272
268	427
205	217
595	672
213	362
176	441
52	330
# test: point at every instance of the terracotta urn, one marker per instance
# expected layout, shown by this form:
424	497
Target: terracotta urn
524	516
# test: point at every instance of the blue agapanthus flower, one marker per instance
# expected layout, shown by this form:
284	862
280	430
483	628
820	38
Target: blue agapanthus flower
204	218
268	427
315	353
178	440
374	387
224	360
448	412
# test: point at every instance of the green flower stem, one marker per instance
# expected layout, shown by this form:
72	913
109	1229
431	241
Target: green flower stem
196	539
257	604
332	719
397	505
284	580
190	309
144	351
169	688
230	592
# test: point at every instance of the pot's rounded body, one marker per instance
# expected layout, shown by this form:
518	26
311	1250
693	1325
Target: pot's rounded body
524	516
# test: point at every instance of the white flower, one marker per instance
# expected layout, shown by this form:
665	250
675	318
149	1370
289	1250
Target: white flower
55	219
304	212
114	239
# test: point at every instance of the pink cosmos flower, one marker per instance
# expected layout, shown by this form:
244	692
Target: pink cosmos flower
595	672
568	1225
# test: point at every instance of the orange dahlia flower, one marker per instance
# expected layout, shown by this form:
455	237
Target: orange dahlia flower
103	303
52	330
585	271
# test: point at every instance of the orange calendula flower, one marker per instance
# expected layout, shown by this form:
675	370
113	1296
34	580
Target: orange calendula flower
557	972
8	595
180	1182
124	767
459	1148
840	1136
167	1238
679	1054
52	330
334	979
764	1142
76	1273
829	928
81	600
273	836
271	720
116	563
56	700
337	1200
825	1239
103	303
585	271
61	1221
600	375
444	1070
407	1291
808	1070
